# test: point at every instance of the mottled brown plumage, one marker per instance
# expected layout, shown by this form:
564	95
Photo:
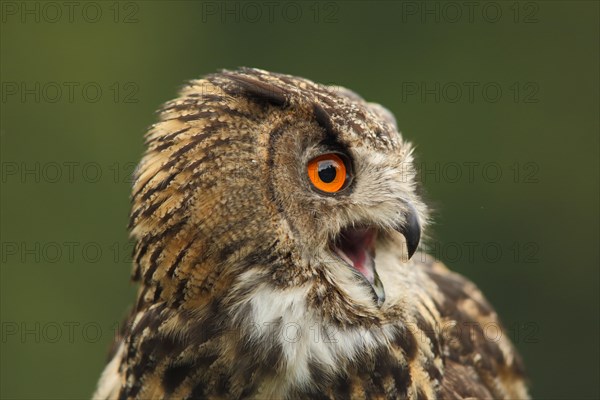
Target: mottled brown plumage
247	286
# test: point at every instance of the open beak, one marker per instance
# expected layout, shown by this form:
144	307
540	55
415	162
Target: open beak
356	247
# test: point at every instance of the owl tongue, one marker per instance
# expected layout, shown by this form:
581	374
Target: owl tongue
357	248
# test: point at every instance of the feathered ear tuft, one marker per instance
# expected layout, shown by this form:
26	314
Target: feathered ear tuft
255	89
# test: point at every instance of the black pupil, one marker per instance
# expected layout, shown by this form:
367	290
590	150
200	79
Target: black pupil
327	171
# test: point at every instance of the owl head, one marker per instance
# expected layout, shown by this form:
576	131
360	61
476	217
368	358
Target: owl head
254	179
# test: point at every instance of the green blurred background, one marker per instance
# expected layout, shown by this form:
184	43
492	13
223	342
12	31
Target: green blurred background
504	87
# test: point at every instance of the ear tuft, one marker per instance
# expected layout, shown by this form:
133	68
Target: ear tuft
256	90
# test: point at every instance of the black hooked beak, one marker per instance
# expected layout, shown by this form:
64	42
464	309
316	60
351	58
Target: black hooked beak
411	230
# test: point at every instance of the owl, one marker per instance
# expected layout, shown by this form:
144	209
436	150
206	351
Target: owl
277	223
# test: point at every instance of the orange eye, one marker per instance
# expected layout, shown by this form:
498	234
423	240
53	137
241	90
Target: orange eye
327	172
